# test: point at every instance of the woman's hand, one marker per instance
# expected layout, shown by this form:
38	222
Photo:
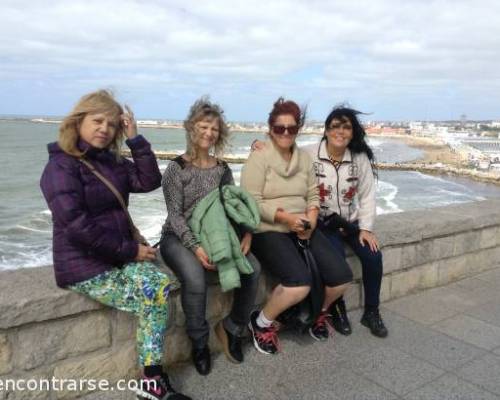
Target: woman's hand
203	258
257	145
129	123
370	239
145	253
246	243
295	222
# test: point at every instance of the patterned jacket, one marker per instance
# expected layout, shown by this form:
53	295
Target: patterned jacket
347	189
90	229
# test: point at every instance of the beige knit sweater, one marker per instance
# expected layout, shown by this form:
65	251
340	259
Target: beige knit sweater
278	184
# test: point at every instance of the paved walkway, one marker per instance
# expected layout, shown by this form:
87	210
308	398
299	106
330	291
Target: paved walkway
443	343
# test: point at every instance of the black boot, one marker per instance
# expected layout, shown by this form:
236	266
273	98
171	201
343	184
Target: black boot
340	321
372	320
202	360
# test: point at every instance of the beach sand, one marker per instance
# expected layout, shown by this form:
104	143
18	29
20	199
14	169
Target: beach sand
435	150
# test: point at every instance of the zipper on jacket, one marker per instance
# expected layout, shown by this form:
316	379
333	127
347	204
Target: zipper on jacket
338	179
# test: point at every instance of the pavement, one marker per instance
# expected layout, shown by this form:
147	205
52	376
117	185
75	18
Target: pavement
444	343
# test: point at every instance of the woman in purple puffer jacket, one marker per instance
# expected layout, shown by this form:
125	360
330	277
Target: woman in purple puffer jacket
93	248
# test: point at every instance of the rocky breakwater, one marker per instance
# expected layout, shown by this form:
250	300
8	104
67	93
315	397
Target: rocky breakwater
47	332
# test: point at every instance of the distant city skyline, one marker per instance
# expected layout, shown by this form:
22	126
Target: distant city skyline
398	61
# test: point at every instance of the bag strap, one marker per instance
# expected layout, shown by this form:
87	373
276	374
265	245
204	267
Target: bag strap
113	189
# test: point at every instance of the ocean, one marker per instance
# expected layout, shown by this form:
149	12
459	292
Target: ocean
25	221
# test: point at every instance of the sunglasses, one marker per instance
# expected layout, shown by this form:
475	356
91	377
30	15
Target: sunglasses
280	129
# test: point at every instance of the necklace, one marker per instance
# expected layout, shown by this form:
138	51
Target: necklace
335	162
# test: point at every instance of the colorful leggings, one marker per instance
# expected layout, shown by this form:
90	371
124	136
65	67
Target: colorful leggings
140	288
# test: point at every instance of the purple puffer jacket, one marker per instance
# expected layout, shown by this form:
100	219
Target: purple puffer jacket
90	229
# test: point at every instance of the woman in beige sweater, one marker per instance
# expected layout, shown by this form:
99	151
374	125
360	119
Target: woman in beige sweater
282	180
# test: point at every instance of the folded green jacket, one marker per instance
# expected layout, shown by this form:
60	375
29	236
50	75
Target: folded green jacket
211	226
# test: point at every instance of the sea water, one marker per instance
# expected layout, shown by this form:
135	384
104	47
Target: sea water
25	221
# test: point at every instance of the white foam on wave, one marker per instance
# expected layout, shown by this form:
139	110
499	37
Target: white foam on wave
26	256
375	143
386	194
27	228
309	139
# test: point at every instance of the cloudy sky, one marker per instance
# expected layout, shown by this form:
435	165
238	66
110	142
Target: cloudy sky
398	59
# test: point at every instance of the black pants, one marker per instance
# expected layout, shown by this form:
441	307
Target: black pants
371	264
193	278
278	253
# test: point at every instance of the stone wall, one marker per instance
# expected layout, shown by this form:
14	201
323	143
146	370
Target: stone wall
46	331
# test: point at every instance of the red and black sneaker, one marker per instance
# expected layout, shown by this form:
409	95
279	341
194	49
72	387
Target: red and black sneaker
321	328
265	340
158	388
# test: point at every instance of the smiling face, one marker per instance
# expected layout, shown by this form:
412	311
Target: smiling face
286	140
98	130
339	133
206	133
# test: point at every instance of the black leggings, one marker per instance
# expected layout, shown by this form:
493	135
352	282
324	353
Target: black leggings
278	254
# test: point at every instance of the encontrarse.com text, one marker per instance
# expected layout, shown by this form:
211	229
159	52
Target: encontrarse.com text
73	385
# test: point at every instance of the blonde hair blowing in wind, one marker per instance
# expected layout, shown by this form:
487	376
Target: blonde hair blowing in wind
101	101
202	109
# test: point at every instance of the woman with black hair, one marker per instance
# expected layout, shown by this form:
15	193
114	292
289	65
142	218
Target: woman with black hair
344	166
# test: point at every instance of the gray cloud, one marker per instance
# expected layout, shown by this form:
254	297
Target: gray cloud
381	53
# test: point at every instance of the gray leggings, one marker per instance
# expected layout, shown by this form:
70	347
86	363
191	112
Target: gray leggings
194	280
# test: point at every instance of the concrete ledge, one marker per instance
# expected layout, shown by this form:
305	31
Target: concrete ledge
46	331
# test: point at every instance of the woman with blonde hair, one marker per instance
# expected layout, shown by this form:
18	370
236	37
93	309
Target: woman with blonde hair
95	251
187	180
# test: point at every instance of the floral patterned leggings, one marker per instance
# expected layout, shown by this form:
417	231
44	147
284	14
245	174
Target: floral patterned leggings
140	288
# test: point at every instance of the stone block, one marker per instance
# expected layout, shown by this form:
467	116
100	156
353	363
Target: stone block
409	256
214	302
112	366
353	296
5	355
355	265
392	258
22	302
429	275
45	343
467	242
485	259
385	289
425	252
177	346
27	387
443	247
422	277
124	326
392	229
489	237
179	317
452	269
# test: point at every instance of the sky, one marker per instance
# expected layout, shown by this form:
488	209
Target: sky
394	59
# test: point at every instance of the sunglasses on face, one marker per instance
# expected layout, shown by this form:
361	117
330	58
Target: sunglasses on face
280	129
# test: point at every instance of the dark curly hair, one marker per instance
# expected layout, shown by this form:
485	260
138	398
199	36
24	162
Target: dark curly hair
358	142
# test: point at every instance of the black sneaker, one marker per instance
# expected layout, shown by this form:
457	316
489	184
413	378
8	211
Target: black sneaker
321	328
158	388
373	321
265	340
339	318
230	343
